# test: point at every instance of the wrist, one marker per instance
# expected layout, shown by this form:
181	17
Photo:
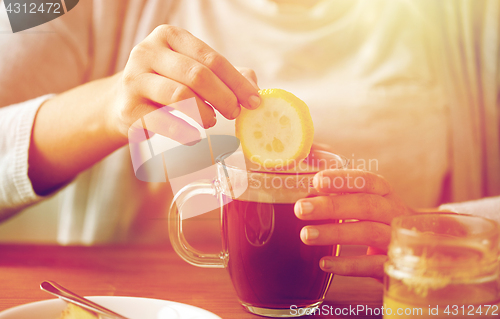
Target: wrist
113	128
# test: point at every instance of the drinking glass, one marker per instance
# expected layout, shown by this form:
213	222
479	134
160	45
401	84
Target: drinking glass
273	272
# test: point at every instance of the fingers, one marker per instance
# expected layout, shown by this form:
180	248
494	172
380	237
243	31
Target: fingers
362	206
373	234
250	75
163	123
361	266
163	91
171	66
200	79
184	43
350	181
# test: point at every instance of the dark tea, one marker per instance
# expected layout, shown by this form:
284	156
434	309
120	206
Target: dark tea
269	265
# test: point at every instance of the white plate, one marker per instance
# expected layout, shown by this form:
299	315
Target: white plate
131	307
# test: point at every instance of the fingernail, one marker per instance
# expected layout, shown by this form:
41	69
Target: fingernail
210	124
236	112
326	264
309	233
254	101
214	121
305	208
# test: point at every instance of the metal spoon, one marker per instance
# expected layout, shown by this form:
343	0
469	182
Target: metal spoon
63	293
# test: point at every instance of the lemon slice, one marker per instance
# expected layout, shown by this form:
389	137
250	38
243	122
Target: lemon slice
279	133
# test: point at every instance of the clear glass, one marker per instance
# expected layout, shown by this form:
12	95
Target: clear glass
271	270
442	266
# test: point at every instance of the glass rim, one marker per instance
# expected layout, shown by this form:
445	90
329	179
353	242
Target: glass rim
340	158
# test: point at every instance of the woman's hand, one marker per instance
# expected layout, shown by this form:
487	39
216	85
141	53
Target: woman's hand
355	194
172	65
93	119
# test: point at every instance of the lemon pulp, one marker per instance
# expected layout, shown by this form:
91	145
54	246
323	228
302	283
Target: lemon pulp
278	134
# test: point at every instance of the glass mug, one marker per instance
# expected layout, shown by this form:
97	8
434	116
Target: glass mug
271	269
441	266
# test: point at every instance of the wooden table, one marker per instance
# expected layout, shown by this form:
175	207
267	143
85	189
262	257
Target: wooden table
145	271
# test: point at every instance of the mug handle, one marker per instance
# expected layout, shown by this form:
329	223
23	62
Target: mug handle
179	243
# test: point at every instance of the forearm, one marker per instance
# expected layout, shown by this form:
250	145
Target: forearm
71	132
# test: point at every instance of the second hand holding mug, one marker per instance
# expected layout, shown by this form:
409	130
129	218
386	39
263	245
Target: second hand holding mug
273	272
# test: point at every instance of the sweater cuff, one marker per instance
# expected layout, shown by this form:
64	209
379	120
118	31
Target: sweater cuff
487	207
22	183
